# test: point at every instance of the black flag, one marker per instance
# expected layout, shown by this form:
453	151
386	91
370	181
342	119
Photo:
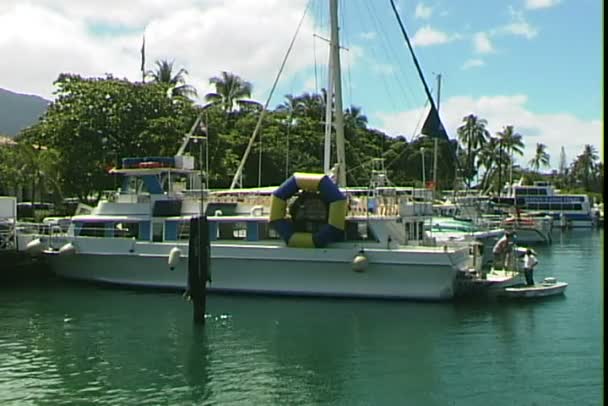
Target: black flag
432	125
143	56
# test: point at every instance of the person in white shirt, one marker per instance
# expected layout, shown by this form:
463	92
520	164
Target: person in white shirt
500	250
530	262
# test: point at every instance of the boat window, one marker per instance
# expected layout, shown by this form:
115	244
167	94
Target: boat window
270	233
232	231
183	231
157	232
92	230
126	230
359	231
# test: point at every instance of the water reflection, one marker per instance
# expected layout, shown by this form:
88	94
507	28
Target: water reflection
73	343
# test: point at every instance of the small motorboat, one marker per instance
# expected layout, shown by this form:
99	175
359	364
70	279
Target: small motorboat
548	287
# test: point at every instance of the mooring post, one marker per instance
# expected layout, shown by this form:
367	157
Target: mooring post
198	266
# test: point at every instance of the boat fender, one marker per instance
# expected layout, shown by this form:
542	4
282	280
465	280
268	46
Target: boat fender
360	263
549	280
174	257
34	247
67	249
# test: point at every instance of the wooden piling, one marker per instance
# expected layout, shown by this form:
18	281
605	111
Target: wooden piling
199	266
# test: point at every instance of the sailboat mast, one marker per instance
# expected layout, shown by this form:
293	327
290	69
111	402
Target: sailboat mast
339	112
328	117
436	138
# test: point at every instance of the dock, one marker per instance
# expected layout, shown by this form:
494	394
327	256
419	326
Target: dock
15	265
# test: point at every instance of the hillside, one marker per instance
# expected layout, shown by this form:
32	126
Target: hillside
18	111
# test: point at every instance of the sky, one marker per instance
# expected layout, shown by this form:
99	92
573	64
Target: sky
534	64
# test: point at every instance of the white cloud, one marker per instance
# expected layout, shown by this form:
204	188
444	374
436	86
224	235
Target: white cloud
423	12
521	28
482	43
44	39
554	130
383	68
473	63
369	35
536	4
518	26
426	36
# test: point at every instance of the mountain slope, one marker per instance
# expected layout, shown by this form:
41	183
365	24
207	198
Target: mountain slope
18	111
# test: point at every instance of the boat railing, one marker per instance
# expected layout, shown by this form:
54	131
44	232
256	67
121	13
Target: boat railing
7	233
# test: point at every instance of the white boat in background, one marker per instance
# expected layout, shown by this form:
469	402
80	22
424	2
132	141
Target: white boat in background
567	210
448	230
308	237
529	228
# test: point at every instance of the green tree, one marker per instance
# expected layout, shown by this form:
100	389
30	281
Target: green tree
510	142
230	91
473	135
94	122
177	82
541	157
584	167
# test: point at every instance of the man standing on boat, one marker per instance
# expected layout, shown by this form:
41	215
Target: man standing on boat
530	262
500	250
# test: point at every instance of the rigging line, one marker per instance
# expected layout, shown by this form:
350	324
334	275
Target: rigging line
274	85
413	138
346	40
377	28
314	56
391	53
409	45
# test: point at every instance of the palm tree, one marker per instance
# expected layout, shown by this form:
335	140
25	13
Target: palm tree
585	164
541	157
473	134
512	143
354	118
230	91
312	105
164	74
489	156
292	105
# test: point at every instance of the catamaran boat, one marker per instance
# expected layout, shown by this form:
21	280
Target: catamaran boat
311	236
360	245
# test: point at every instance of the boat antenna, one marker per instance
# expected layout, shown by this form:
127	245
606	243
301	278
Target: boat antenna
239	170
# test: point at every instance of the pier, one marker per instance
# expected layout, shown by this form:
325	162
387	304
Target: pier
15	265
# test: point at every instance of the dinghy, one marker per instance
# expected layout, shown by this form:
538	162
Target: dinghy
548	287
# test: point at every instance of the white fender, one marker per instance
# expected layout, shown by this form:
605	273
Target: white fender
67	249
360	263
34	247
174	256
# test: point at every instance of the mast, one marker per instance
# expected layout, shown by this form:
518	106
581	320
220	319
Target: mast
435	146
328	117
337	81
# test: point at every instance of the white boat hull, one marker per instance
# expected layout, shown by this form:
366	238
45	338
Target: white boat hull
416	273
538	290
532	236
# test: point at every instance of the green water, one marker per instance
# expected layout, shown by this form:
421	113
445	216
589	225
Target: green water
74	344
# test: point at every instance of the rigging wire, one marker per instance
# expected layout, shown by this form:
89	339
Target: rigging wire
406	89
274	85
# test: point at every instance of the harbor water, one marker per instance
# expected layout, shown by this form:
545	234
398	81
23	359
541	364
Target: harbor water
75	344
